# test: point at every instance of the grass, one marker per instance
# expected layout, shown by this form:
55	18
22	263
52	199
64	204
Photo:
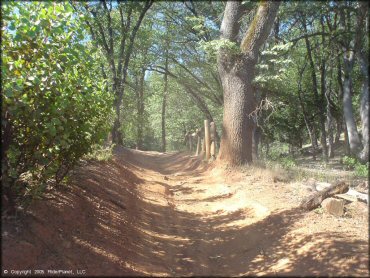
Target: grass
100	153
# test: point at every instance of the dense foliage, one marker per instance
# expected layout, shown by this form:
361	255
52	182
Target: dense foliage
54	104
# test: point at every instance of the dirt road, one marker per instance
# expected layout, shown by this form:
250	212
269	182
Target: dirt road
148	213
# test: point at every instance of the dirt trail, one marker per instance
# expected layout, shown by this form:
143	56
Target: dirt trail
148	213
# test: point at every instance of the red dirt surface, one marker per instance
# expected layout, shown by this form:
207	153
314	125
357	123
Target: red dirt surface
155	214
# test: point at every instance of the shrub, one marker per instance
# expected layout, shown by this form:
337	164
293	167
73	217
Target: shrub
101	153
54	107
351	163
287	162
362	170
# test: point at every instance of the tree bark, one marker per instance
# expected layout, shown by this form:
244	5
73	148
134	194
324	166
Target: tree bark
353	137
329	121
339	119
325	151
237	73
346	139
362	57
364	108
348	63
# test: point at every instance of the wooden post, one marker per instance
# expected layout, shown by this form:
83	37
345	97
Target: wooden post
198	143
187	139
213	139
207	139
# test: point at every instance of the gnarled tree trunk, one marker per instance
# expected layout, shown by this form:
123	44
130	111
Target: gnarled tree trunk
237	73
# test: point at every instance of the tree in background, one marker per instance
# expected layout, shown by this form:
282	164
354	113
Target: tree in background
114	29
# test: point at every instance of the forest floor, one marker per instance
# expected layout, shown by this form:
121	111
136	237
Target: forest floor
170	214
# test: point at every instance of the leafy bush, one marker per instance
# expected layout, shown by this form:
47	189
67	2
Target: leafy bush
287	162
362	170
54	107
351	163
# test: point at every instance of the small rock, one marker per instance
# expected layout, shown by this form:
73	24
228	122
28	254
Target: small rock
165	178
333	206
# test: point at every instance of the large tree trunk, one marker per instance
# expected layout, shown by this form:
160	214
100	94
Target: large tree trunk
237	73
361	51
364	108
237	127
353	137
362	57
348	63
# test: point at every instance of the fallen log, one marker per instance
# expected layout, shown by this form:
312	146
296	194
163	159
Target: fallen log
358	195
351	195
314	200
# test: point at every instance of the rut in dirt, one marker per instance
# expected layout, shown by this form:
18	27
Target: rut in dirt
149	213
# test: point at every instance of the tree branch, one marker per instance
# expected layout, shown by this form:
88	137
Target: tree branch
259	28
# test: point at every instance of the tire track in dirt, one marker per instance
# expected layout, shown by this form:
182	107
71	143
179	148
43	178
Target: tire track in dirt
149	213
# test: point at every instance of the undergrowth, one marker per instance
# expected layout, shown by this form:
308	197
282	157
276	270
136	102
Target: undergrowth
100	153
352	163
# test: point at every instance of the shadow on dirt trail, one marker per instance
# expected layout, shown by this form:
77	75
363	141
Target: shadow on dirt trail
124	218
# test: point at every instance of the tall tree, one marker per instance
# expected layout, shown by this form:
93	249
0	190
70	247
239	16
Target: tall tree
319	101
362	57
349	45
237	72
117	49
